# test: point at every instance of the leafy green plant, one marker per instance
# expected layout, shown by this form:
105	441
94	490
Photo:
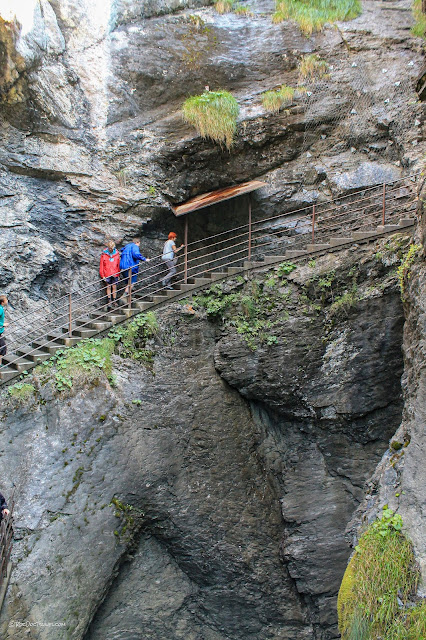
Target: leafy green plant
381	575
214	115
84	363
285	268
404	268
311	68
311	15
419	28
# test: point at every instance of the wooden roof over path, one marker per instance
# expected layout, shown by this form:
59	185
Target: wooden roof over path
213	197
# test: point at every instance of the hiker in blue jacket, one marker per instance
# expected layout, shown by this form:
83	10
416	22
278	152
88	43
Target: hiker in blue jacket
129	263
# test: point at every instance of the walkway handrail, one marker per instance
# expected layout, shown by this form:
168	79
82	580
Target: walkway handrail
6	545
217	252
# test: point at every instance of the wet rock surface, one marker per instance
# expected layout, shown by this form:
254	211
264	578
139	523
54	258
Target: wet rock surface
93	143
242	469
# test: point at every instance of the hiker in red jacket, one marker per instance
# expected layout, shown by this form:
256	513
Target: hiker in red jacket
109	270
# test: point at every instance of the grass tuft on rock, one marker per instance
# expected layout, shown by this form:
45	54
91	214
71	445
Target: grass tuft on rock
312	68
214	115
378	583
274	100
224	6
419	28
311	15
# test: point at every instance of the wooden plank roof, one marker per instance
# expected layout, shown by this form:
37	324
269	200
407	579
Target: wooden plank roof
213	197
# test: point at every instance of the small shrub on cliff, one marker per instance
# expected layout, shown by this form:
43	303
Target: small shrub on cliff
378	582
311	15
419	28
214	115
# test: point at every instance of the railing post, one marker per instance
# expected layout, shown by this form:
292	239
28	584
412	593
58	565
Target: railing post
313	224
384	203
249	228
185	240
130	288
70	314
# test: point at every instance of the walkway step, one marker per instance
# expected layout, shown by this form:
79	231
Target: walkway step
250	264
317	247
187	287
363	235
160	298
335	242
272	259
173	292
142	305
7	373
64	340
232	271
35	355
87	332
218	275
198	282
383	228
295	253
14	361
407	222
101	326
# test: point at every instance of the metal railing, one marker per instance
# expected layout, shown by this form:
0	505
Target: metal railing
76	311
6	544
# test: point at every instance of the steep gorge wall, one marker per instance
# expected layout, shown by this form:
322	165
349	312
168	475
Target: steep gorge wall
241	497
93	143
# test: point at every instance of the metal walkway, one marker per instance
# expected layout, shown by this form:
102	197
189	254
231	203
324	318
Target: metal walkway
296	235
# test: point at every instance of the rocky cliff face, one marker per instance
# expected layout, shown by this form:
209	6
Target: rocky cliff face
242	456
93	143
400	476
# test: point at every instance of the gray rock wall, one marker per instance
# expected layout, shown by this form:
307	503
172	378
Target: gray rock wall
93	143
243	469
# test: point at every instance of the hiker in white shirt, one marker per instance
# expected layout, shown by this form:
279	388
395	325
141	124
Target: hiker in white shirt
170	258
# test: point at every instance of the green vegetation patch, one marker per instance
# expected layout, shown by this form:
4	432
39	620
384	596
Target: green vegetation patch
378	583
214	115
131	339
312	68
311	15
85	363
248	311
274	100
419	28
404	269
224	6
22	392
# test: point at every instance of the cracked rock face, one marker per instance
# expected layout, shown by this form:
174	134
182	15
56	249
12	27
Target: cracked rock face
93	143
242	469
